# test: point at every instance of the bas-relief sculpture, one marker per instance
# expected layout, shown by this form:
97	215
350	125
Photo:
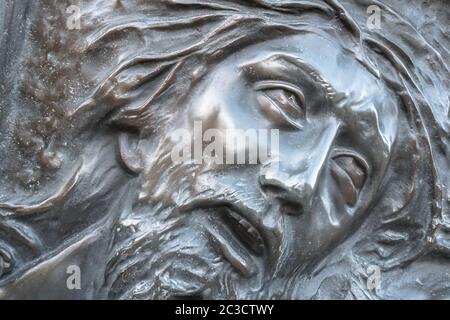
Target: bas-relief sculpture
360	185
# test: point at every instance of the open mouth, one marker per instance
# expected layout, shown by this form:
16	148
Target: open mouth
237	238
244	231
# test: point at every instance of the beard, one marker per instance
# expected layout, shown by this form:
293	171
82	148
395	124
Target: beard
168	246
165	255
164	248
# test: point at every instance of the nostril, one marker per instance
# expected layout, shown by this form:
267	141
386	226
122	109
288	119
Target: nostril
287	207
273	191
291	208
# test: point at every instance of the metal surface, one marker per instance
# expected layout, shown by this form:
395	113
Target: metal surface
351	204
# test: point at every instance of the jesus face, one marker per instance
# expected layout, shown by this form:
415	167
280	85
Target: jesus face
241	228
337	126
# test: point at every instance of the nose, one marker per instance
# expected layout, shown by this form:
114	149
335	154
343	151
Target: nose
294	179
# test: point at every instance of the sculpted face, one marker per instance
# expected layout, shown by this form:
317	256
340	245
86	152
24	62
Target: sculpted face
96	186
337	125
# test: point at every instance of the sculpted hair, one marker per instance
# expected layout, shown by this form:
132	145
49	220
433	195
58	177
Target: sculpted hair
133	62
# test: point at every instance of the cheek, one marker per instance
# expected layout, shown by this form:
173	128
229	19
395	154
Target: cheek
228	107
312	235
370	130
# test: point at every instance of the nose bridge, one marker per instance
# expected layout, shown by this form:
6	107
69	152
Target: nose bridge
298	172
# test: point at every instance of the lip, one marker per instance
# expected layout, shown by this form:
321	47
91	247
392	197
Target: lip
235	230
239	238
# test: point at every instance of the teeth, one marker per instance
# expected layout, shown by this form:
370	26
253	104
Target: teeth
234	215
253	232
244	231
245	224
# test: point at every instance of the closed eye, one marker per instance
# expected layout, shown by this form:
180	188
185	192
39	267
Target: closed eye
282	103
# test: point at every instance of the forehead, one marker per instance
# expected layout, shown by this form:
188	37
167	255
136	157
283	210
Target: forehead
328	57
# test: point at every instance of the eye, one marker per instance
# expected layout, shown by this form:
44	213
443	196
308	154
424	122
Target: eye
350	173
282	103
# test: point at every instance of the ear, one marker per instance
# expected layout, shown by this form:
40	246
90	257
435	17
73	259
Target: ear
130	154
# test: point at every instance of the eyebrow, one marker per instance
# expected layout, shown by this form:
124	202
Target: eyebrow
330	92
